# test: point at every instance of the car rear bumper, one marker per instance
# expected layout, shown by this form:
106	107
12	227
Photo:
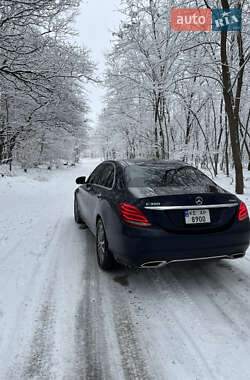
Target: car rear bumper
136	246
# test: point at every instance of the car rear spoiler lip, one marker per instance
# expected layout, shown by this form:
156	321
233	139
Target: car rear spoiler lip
189	207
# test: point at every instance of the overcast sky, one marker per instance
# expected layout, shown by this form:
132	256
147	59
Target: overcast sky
95	23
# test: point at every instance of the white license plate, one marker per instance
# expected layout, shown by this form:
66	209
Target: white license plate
197	216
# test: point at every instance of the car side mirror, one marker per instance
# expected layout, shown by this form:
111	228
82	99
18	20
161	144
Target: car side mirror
80	180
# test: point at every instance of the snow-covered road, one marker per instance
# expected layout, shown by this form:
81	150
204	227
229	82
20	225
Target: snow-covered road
62	318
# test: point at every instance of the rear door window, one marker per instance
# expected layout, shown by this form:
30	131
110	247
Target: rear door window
107	176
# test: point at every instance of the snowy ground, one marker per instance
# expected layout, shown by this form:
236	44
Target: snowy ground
62	318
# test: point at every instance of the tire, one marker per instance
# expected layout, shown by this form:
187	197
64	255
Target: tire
105	258
78	220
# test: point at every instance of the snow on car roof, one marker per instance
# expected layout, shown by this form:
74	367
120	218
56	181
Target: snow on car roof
145	162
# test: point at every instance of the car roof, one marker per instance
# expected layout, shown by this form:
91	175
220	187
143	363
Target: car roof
171	164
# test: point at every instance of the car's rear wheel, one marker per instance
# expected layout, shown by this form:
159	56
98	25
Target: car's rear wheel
105	258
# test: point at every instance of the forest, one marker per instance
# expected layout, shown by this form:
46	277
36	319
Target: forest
43	104
178	95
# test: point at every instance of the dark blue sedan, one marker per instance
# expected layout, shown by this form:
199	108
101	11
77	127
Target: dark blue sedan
147	213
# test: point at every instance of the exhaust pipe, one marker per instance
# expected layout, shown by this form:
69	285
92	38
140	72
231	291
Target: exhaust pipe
237	255
160	263
153	264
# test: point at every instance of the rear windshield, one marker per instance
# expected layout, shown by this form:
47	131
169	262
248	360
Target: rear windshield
155	176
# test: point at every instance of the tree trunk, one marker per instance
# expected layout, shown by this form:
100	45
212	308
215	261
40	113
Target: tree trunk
157	153
226	150
233	121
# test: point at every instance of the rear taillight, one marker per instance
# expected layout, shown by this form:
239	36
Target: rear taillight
132	215
243	214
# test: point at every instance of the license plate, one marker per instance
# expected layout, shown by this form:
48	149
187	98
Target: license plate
197	216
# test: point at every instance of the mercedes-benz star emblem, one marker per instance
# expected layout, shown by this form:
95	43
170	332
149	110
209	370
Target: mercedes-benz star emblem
199	201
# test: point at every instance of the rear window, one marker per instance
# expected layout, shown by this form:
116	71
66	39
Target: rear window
155	176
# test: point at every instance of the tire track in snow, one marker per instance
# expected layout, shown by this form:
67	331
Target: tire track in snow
224	305
239	310
217	314
174	306
90	342
103	298
38	362
20	332
133	362
133	359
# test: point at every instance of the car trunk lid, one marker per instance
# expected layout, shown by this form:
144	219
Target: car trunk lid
168	210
